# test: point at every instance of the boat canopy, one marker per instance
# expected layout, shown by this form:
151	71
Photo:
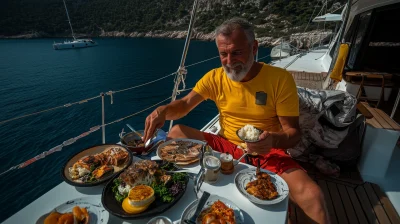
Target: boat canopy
328	18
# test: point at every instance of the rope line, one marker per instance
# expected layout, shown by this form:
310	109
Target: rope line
134	87
92	98
202	61
264	57
73	140
50	109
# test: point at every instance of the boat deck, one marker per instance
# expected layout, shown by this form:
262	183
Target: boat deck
312	61
349	200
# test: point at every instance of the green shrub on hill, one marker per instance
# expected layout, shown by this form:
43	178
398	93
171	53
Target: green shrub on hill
94	16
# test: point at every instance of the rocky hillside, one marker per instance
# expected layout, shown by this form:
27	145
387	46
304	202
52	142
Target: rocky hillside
163	18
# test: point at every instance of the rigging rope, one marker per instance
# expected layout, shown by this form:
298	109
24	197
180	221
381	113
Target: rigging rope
73	140
202	61
47	110
109	93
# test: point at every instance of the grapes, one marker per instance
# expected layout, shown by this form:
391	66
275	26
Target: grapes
176	188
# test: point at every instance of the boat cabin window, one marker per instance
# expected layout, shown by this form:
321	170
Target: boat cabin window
375	43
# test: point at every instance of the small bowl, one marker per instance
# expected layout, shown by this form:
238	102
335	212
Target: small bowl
245	140
132	136
160	218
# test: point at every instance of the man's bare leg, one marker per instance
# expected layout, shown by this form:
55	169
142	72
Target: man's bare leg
182	131
303	190
306	194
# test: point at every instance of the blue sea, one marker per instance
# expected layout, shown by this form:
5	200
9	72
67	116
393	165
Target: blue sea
34	77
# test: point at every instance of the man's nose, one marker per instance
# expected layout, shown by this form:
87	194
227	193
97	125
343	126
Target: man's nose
229	59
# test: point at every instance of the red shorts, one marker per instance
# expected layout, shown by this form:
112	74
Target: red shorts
276	160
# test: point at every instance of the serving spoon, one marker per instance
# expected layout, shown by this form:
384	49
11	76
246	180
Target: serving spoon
130	127
151	139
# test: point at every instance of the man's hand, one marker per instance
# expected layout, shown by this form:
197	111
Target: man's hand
173	111
155	120
263	146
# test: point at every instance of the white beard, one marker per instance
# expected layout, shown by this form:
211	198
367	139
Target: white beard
244	69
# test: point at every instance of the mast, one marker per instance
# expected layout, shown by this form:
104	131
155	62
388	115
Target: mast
69	21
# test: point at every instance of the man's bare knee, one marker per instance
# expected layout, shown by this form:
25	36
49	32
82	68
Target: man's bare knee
313	195
176	131
182	131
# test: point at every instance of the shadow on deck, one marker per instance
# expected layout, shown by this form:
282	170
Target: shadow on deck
349	200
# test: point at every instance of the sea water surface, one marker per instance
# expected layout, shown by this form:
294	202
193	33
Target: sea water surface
34	77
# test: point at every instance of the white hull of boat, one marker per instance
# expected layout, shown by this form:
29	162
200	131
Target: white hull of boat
281	51
79	43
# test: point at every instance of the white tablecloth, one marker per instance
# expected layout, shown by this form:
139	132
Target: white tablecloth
224	187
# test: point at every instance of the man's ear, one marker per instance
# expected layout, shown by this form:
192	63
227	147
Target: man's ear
255	47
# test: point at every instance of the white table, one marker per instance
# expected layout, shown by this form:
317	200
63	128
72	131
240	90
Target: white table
224	187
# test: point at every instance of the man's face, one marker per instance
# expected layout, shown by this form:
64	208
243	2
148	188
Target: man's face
236	54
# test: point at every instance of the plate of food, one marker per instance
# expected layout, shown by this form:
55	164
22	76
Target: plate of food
96	165
181	151
249	133
261	186
86	210
133	141
216	208
144	189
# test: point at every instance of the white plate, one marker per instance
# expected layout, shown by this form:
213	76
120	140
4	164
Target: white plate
191	208
179	139
98	215
247	175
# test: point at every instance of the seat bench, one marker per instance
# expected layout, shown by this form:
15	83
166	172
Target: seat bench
380	119
379	142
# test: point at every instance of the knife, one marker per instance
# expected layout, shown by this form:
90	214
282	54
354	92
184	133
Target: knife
200	206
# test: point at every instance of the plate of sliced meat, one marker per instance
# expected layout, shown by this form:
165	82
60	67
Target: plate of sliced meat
181	151
96	165
261	186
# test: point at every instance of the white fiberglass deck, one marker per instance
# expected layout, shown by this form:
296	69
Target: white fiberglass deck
224	187
316	61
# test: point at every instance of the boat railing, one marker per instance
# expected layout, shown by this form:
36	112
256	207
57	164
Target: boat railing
103	125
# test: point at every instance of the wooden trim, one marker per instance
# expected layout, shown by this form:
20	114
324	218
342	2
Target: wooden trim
337	203
380	119
389	120
376	204
387	205
356	205
328	200
347	204
366	206
364	111
373	75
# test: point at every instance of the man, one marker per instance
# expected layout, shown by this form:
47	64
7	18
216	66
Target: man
248	92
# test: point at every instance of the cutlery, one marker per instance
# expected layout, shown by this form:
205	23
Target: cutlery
151	139
199	207
182	171
254	154
154	147
130	127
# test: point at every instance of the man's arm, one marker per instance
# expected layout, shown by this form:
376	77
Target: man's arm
172	111
288	137
180	108
290	134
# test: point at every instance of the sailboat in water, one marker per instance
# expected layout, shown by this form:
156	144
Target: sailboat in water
75	43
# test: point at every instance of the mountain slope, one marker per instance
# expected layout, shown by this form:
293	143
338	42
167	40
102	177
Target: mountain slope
93	17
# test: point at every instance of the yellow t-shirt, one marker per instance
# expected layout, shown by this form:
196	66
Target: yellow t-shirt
258	102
